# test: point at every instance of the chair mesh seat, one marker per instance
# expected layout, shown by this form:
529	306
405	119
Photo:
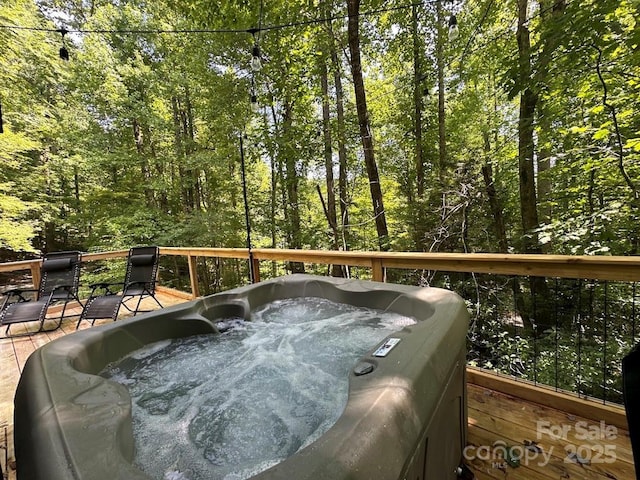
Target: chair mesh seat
24	311
102	307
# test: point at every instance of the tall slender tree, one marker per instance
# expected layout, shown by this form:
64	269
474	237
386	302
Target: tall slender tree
343	193
366	135
528	100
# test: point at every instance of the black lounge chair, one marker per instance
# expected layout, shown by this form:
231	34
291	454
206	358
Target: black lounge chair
139	281
59	281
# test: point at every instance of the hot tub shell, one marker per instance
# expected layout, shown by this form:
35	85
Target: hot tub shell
404	420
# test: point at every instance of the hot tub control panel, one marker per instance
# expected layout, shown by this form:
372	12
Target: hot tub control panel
384	349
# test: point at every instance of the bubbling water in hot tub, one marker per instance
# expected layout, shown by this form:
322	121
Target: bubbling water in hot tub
228	406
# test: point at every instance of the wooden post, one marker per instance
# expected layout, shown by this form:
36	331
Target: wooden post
256	269
35	273
377	271
193	275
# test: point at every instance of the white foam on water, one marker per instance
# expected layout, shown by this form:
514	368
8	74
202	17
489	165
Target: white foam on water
230	405
150	349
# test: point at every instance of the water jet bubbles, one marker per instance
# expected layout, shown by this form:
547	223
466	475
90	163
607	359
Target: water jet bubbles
231	405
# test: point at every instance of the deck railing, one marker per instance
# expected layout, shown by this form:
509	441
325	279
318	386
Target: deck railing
562	321
612	268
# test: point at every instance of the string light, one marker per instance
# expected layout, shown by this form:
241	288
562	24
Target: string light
253	97
453	28
64	53
256	62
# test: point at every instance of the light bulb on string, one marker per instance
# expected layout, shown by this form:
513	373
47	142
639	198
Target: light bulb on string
253	97
256	62
453	28
64	53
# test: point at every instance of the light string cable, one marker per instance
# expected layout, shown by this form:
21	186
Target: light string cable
265	28
260	28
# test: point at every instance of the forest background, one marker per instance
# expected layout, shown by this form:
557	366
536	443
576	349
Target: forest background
520	135
440	126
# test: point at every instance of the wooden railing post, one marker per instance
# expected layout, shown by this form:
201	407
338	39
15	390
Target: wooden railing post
255	265
377	271
193	275
35	273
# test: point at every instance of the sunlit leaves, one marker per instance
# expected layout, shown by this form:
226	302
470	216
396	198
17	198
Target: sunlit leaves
120	143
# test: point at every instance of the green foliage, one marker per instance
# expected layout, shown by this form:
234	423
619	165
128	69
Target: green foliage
136	138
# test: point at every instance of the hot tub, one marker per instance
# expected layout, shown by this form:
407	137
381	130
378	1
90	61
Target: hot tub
405	417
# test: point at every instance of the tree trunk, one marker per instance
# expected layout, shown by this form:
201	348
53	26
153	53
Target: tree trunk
499	226
540	309
336	270
76	188
549	13
494	201
419	213
417	101
353	7
528	100
189	133
291	181
274	181
442	134
159	193
138	137
328	154
281	177
342	148
544	165
634	236
180	154
330	207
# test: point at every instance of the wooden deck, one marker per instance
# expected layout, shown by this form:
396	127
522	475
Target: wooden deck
551	443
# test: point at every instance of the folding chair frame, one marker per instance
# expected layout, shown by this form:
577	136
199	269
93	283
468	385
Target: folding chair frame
140	281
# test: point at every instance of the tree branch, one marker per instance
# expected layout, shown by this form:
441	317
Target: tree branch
614	117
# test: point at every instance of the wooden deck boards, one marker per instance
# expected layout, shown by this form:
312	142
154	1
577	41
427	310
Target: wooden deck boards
495	420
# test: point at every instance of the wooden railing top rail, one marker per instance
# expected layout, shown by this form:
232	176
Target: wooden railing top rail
17	266
242	253
34	265
564	266
86	257
617	268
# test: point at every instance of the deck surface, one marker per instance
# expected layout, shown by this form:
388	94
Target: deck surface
551	443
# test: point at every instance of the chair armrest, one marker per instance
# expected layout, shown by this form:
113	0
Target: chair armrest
106	286
101	285
18	292
63	287
128	285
